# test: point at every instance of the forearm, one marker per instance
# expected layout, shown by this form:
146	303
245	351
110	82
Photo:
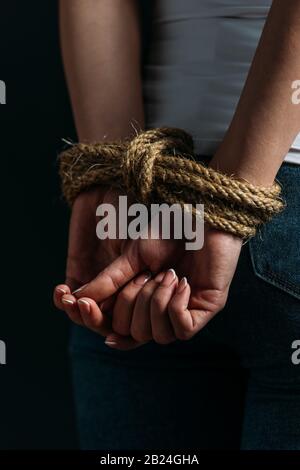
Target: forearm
100	43
266	121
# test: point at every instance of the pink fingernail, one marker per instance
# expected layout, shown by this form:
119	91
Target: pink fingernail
62	291
182	285
159	277
110	343
168	278
85	302
67	301
142	279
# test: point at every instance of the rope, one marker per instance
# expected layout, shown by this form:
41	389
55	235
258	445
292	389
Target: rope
159	165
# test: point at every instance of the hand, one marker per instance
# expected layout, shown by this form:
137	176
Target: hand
178	311
157	309
209	272
118	261
87	254
128	280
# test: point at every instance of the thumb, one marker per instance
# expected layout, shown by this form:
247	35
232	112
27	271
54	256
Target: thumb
110	280
123	343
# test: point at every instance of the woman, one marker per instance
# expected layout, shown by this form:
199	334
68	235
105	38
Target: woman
195	78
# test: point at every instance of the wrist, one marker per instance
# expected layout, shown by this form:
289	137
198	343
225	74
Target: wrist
237	161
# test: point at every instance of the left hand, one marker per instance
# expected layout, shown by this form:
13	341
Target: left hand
179	311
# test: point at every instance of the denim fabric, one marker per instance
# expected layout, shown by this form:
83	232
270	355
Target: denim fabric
233	384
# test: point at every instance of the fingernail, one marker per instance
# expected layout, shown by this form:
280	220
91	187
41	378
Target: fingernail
168	278
62	291
85	302
67	301
79	289
110	343
159	277
142	279
182	285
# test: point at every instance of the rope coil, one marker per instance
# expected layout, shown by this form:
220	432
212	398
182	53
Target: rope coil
158	165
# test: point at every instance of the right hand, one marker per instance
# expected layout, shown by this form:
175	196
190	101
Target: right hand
87	254
103	267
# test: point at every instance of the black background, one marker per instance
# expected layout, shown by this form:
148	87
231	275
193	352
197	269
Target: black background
35	390
36	409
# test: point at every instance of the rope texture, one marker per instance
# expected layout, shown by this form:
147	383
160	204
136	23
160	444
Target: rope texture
159	165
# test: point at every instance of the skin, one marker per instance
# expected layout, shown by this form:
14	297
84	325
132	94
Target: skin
143	310
120	301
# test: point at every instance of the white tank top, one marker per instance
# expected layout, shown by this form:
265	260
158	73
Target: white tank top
199	56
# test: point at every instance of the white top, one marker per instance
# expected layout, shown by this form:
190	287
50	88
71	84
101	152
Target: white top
199	57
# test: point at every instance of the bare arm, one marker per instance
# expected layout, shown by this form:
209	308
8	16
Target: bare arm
101	53
266	121
100	42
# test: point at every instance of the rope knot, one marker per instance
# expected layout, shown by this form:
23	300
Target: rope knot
139	168
159	165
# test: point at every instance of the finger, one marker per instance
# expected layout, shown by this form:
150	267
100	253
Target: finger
201	318
58	293
124	306
108	304
162	329
93	318
71	308
123	343
109	281
159	277
187	322
140	328
72	283
180	316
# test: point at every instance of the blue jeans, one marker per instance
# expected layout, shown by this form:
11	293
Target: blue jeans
233	385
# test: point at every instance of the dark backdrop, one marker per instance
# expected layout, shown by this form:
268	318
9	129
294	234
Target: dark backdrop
36	407
35	390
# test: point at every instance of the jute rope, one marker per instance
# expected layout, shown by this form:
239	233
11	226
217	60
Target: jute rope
159	166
